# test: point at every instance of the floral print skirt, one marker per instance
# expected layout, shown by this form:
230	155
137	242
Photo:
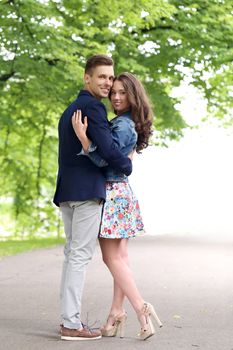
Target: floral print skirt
121	213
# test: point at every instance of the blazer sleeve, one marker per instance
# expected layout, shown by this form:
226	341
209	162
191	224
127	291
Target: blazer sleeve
99	132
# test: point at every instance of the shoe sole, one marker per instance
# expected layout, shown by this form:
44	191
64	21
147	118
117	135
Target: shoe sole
64	337
151	335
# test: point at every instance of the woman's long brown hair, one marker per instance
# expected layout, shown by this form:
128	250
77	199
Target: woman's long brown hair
140	108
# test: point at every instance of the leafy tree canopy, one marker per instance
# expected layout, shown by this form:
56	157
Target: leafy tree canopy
44	46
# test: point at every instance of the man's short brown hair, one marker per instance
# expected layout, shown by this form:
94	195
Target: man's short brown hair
97	60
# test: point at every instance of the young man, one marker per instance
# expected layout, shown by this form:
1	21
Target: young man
80	190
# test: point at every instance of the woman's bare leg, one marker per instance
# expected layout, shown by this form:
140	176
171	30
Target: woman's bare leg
118	294
114	252
115	256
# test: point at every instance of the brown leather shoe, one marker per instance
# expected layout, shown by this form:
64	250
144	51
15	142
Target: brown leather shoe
84	334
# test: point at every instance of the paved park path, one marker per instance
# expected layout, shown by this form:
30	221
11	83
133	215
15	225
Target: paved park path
188	278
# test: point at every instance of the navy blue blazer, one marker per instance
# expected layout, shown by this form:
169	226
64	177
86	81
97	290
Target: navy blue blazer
79	179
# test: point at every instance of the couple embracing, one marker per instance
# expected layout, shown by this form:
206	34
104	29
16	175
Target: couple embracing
95	197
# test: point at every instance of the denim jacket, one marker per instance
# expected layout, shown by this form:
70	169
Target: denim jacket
125	137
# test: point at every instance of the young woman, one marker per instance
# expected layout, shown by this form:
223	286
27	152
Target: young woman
131	129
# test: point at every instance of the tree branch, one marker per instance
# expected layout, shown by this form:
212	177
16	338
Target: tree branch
40	148
7	76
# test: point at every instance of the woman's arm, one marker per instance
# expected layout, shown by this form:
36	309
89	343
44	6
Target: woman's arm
121	133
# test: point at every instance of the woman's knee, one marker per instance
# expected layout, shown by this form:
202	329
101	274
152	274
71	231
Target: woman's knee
108	259
111	259
113	252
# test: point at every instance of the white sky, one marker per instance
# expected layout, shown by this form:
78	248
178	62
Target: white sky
188	187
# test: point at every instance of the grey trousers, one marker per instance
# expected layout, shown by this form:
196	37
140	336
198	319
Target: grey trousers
81	223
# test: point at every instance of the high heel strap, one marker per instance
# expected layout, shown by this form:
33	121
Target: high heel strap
149	310
147	330
118	326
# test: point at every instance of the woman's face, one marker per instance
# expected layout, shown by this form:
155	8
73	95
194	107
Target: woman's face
119	97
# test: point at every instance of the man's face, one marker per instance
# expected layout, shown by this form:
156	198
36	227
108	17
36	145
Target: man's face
100	81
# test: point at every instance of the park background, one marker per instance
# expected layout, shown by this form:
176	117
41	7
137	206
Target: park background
181	51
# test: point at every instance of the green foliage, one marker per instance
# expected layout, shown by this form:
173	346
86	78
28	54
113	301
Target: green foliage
44	45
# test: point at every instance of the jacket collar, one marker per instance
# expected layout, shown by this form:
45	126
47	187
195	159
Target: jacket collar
85	93
126	114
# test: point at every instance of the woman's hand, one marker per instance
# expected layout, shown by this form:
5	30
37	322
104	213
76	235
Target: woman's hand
80	129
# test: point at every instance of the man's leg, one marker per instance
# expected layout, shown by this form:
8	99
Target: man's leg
67	216
81	222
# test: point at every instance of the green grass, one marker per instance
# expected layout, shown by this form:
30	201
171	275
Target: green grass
13	246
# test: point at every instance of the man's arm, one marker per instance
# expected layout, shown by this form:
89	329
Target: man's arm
99	132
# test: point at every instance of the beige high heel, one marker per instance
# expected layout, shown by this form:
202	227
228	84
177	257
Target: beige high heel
148	329
118	326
